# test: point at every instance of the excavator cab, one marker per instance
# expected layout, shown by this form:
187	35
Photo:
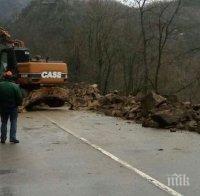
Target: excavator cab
10	57
7	60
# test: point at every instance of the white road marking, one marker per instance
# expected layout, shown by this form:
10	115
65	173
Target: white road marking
123	163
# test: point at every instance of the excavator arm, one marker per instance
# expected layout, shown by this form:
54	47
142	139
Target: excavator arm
5	39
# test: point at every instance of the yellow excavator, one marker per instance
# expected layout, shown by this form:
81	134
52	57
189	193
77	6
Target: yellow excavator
42	80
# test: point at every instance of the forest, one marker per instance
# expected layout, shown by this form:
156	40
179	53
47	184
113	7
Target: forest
137	48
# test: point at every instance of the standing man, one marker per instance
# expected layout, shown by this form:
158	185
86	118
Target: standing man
10	99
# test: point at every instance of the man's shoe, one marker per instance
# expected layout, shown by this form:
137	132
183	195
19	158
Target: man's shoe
3	140
15	141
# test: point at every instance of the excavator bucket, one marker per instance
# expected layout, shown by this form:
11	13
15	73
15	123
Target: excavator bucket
51	96
4	36
5	39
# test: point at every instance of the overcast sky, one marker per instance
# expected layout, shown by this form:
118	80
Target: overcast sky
131	1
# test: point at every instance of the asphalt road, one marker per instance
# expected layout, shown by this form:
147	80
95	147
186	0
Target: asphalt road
50	161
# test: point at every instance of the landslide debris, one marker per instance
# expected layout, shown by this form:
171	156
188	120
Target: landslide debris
152	110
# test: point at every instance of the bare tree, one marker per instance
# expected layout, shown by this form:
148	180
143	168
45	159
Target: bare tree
142	9
165	30
102	38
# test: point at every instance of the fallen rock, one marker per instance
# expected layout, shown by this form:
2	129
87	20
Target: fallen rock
173	130
193	126
113	99
94	105
150	123
152	110
166	118
150	101
117	113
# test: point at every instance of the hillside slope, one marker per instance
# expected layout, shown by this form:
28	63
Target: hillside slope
39	23
102	42
46	28
10	8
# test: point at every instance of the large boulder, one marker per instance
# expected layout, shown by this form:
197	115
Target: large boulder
112	98
147	122
196	115
193	126
167	118
151	101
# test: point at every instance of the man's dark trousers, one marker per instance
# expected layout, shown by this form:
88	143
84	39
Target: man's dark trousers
12	114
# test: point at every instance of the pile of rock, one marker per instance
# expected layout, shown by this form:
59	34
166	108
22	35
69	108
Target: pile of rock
151	110
168	112
112	104
82	95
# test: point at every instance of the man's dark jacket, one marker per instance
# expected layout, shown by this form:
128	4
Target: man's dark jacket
10	95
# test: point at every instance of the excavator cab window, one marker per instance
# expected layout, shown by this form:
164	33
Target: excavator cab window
4	60
10	57
8	60
22	55
3	63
